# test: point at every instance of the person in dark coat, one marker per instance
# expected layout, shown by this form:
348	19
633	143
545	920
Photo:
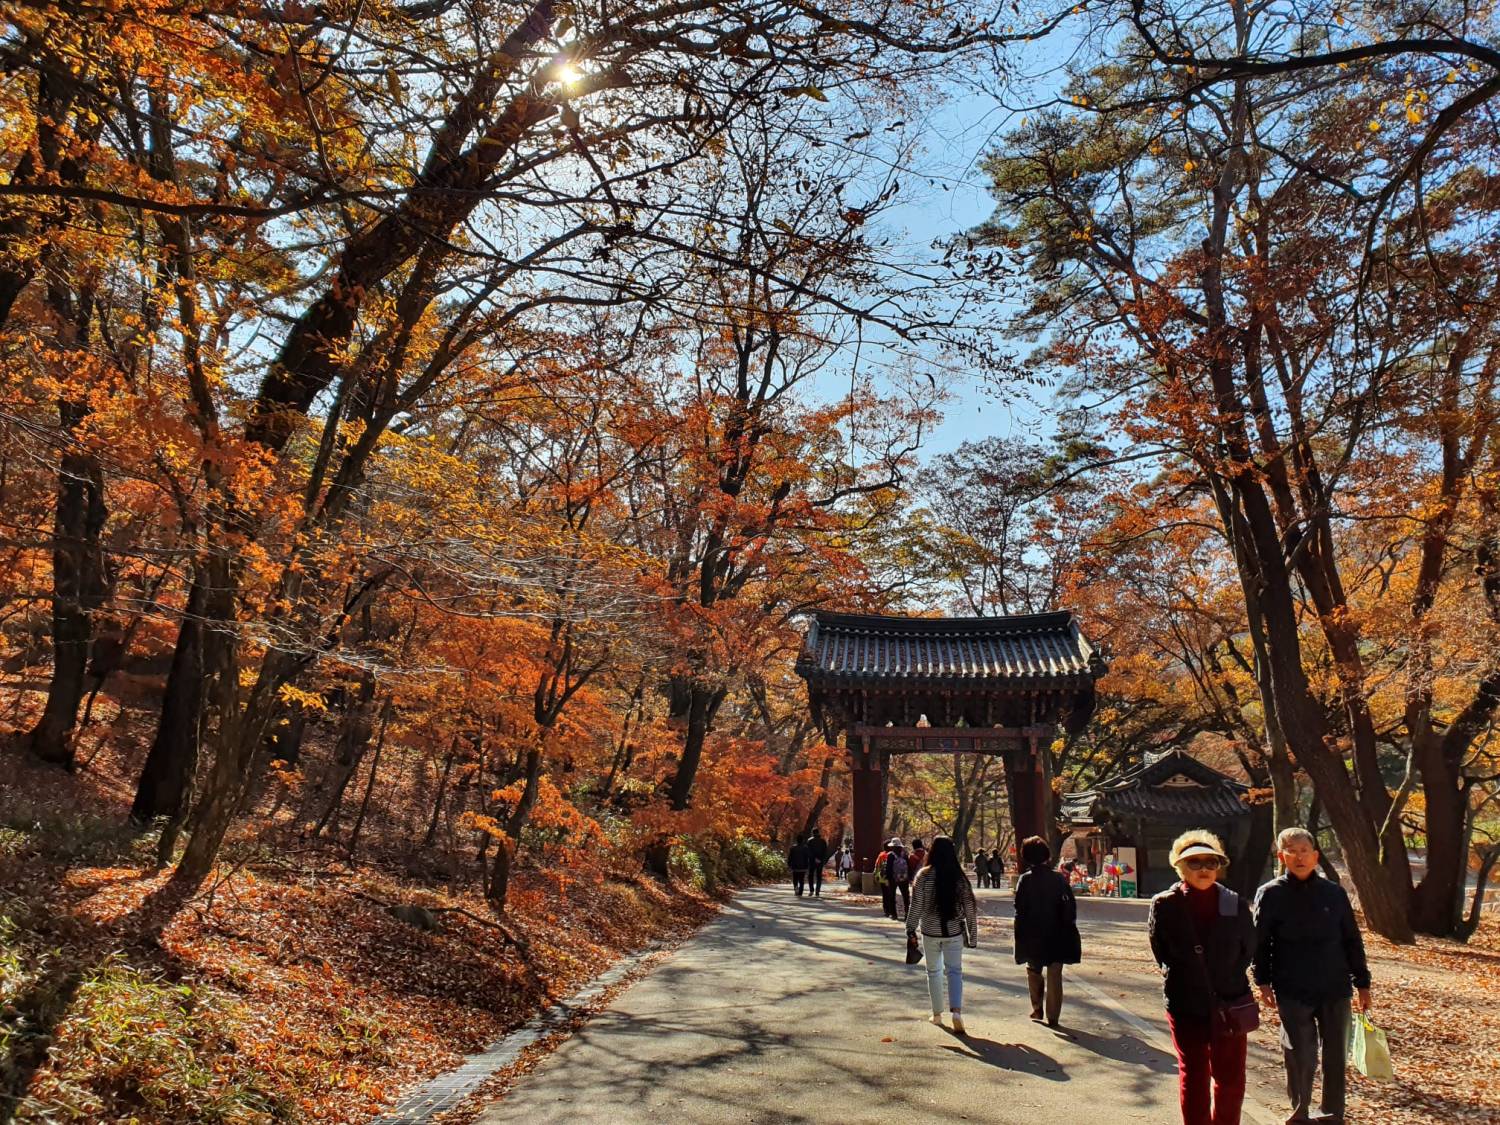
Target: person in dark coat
890	870
1309	960
796	860
982	867
1046	928
997	868
817	858
1203	938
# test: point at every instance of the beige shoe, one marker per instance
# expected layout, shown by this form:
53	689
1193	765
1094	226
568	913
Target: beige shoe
936	1018
958	1024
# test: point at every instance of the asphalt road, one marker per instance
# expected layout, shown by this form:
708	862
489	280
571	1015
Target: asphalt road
795	1010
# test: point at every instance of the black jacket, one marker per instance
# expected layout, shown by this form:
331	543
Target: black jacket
1309	947
817	850
1046	919
797	858
1190	985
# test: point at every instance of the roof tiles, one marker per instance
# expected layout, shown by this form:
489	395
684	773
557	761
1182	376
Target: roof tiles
1045	648
1173	786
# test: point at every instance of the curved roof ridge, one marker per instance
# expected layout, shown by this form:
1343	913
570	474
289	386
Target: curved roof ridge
880	622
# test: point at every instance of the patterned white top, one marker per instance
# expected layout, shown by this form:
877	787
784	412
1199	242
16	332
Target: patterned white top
924	910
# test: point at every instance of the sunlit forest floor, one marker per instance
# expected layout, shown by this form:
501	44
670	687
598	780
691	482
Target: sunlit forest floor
288	990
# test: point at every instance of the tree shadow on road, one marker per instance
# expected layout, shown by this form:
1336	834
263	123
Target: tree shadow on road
1009	1056
1121	1048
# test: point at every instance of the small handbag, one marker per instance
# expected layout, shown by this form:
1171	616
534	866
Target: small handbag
1227	1017
1236	1017
913	950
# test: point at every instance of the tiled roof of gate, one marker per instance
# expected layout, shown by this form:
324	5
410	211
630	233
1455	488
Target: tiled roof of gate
1036	650
1200	793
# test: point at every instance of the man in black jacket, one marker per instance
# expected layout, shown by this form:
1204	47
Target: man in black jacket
1309	959
796	859
817	857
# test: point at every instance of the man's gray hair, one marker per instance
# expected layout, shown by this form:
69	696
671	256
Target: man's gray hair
1290	836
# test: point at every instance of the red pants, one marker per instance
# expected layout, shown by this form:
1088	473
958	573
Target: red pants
1200	1059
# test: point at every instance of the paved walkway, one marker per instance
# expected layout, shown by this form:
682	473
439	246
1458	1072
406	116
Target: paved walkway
795	1010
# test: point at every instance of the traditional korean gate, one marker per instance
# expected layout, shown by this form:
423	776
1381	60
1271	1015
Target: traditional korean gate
988	685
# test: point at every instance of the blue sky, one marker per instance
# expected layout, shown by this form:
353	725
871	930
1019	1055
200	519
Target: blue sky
956	135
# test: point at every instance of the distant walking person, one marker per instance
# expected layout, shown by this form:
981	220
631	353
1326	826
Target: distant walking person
917	859
891	871
1309	959
844	863
1203	938
903	882
796	860
997	868
1046	928
817	857
944	912
982	868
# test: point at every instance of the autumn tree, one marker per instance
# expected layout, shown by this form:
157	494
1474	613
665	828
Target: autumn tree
1234	320
744	504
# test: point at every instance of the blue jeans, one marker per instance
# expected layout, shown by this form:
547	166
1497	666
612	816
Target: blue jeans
945	954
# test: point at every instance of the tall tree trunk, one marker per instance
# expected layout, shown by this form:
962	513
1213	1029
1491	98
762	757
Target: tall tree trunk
1247	875
1436	902
498	886
700	703
78	579
78	586
165	784
1283	786
703	705
354	739
364	804
285	742
820	802
1470	923
237	737
437	805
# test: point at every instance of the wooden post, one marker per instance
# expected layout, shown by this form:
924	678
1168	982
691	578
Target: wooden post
866	784
1026	782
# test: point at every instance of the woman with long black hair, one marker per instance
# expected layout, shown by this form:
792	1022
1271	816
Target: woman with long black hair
944	911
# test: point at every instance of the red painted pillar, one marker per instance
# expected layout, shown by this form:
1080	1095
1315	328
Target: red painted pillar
1042	801
1027	785
866	786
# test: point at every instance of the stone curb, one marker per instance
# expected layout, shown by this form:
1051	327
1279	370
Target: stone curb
445	1091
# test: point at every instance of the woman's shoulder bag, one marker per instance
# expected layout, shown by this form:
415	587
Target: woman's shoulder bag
1240	1016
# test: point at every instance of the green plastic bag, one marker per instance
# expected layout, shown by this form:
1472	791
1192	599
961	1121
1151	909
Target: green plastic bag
1368	1051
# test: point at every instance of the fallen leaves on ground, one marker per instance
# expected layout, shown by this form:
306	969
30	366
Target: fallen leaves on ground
294	994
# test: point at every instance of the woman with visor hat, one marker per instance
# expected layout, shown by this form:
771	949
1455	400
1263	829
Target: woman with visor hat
1203	939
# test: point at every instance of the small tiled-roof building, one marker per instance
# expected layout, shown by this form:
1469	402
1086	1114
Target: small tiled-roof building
1148	807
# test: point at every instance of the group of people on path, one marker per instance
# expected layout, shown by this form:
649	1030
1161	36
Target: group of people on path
989	869
806	860
944	912
895	868
1299	940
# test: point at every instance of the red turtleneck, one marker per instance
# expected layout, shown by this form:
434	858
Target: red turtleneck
1203	906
